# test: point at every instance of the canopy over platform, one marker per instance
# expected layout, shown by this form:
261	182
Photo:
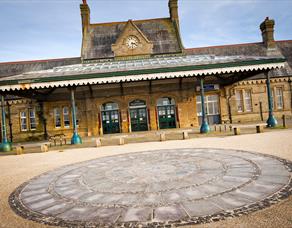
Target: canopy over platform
140	70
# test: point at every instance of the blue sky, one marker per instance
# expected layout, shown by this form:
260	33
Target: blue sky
41	29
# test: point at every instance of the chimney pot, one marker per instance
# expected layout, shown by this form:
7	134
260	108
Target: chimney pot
173	10
267	28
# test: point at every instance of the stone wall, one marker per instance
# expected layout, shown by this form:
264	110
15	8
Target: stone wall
259	95
90	99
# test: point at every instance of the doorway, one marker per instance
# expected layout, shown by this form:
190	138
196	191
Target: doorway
110	118
166	113
138	115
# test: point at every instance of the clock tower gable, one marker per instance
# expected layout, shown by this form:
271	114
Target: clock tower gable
132	42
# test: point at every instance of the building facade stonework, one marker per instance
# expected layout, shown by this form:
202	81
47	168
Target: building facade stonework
137	76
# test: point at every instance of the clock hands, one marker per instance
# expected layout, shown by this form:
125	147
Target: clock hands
132	42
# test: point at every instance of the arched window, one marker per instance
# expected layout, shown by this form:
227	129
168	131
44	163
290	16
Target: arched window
165	101
109	106
137	103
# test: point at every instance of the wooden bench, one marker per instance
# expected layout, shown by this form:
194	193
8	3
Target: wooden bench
61	138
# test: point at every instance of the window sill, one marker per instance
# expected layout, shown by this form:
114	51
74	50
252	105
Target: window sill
245	113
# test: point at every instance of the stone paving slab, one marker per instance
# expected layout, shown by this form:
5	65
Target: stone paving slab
155	188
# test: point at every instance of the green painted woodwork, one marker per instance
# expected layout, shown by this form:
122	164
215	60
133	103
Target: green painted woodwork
166	116
110	121
5	146
204	127
271	122
76	139
139	120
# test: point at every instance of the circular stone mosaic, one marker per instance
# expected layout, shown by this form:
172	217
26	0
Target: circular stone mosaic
155	188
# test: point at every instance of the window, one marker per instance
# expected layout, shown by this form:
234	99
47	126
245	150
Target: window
239	101
28	120
165	101
66	117
243	100
63	115
199	106
108	107
57	115
247	101
211	105
23	121
279	98
32	119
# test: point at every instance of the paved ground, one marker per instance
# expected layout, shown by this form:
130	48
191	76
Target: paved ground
159	187
244	177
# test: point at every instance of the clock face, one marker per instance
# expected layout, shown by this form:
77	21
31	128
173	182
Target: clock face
132	42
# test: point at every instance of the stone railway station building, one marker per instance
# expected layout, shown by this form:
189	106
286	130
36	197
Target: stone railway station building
137	76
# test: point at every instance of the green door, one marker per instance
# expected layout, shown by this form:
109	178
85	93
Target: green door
110	122
139	120
166	116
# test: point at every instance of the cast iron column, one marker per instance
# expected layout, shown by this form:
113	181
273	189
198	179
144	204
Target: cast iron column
204	127
5	145
76	139
271	122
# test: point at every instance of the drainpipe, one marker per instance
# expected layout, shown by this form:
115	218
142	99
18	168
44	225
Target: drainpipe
228	98
9	121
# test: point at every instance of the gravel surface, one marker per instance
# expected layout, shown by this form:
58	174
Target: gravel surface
17	169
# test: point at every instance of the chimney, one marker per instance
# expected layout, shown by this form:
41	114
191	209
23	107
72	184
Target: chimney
173	10
85	15
267	28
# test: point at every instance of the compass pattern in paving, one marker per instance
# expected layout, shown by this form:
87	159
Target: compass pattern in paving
155	188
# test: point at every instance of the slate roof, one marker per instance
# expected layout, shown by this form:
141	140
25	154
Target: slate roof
15	68
149	64
286	49
162	32
250	49
194	56
138	70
